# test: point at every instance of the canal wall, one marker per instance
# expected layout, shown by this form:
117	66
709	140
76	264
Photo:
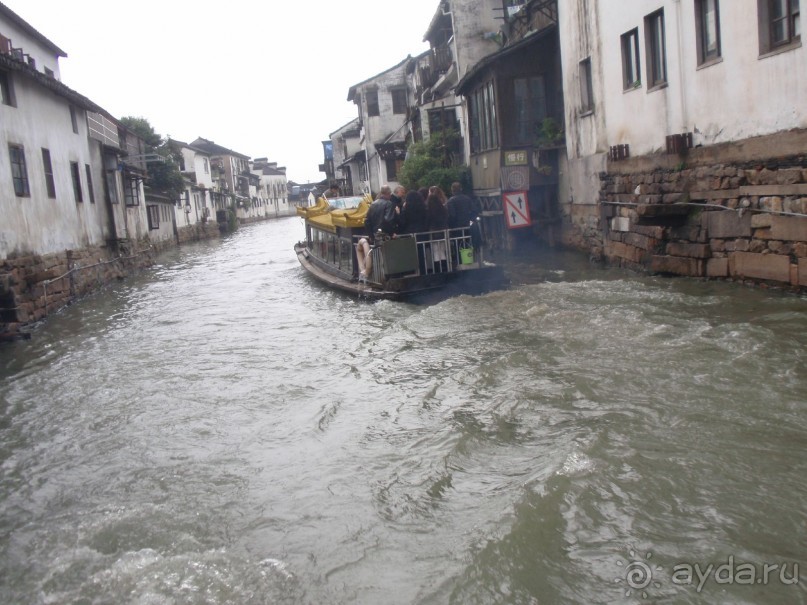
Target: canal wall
33	286
735	211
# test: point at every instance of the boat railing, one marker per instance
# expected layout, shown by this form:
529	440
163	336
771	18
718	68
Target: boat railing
441	251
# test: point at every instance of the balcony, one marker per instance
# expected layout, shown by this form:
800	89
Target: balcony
102	129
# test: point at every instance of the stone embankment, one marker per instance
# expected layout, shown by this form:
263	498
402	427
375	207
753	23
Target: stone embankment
34	286
741	221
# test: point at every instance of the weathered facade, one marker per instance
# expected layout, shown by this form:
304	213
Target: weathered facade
461	33
382	102
686	137
75	206
271	199
513	102
193	210
72	196
349	159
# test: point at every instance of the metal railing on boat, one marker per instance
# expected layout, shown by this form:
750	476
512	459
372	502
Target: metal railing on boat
442	251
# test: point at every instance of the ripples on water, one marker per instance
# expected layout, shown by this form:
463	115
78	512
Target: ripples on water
222	429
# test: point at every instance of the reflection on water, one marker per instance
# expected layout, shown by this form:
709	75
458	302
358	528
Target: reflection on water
222	429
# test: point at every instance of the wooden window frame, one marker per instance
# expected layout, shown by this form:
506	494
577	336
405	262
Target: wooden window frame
373	108
89	183
656	50
74	119
153	214
703	28
399	103
7	96
75	173
19	176
631	60
768	44
47	169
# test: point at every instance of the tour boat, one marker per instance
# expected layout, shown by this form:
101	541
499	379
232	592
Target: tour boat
401	266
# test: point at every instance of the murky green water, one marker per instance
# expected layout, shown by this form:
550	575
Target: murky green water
222	429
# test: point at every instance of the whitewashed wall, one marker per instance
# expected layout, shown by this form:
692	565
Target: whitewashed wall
39	224
42	55
738	97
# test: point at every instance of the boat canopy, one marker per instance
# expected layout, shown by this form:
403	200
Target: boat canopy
323	216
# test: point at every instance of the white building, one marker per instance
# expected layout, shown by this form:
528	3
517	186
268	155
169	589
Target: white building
460	34
272	188
382	102
69	184
687	101
350	163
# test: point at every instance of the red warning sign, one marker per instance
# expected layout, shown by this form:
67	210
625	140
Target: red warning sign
516	209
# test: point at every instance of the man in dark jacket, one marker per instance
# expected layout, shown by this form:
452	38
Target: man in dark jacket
461	209
381	216
398	197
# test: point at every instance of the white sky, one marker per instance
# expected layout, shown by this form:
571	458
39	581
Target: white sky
266	79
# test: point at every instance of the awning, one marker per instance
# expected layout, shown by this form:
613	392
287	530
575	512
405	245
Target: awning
525	42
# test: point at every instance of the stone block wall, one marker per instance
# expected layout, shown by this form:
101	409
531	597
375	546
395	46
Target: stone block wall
741	219
33	286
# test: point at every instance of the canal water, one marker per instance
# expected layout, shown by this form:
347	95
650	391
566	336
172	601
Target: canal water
221	429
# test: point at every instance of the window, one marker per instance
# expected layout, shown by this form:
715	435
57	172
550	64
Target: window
372	103
131	191
111	187
779	24
398	100
6	89
74	119
393	167
47	167
74	172
207	165
529	101
707	29
484	128
631	77
442	119
19	173
89	183
656	49
153	211
586	90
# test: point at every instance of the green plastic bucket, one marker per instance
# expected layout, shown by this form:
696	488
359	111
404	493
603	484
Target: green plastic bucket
466	256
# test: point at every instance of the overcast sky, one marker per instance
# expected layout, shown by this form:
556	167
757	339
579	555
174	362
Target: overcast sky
266	79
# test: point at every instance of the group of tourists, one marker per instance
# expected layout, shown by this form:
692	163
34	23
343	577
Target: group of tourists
398	212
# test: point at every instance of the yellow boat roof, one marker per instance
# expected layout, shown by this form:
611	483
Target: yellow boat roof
320	216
